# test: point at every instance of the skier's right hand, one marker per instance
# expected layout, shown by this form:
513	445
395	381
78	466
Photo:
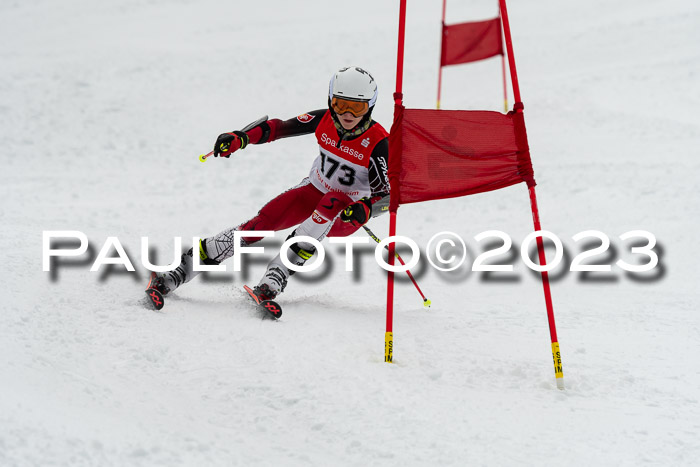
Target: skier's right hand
228	143
357	213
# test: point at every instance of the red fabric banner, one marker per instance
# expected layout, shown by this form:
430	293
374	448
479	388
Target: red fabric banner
437	154
469	42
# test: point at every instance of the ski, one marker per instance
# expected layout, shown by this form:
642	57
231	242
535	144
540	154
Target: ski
155	298
269	307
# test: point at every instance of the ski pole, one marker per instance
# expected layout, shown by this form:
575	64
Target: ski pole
248	127
426	302
203	157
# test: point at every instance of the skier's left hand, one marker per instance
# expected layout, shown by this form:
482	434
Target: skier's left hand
358	213
228	143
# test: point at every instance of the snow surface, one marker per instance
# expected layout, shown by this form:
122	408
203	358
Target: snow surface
104	107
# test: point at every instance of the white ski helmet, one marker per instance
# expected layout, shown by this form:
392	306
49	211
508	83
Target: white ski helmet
353	83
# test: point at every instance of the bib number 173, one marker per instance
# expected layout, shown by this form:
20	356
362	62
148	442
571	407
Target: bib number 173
329	166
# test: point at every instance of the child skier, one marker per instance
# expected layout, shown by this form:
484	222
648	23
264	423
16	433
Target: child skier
346	186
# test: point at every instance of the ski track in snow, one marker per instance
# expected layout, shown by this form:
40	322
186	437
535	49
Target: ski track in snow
103	110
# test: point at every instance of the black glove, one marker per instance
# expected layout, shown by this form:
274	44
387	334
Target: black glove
228	143
358	213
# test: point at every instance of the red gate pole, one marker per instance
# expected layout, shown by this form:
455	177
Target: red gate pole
505	86
509	48
398	101
442	44
556	354
503	68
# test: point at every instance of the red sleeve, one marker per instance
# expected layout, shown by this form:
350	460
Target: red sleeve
274	129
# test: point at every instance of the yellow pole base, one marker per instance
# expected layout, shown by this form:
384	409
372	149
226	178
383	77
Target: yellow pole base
388	347
558	369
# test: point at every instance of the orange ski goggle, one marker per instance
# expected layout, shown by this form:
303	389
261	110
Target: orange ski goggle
341	106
